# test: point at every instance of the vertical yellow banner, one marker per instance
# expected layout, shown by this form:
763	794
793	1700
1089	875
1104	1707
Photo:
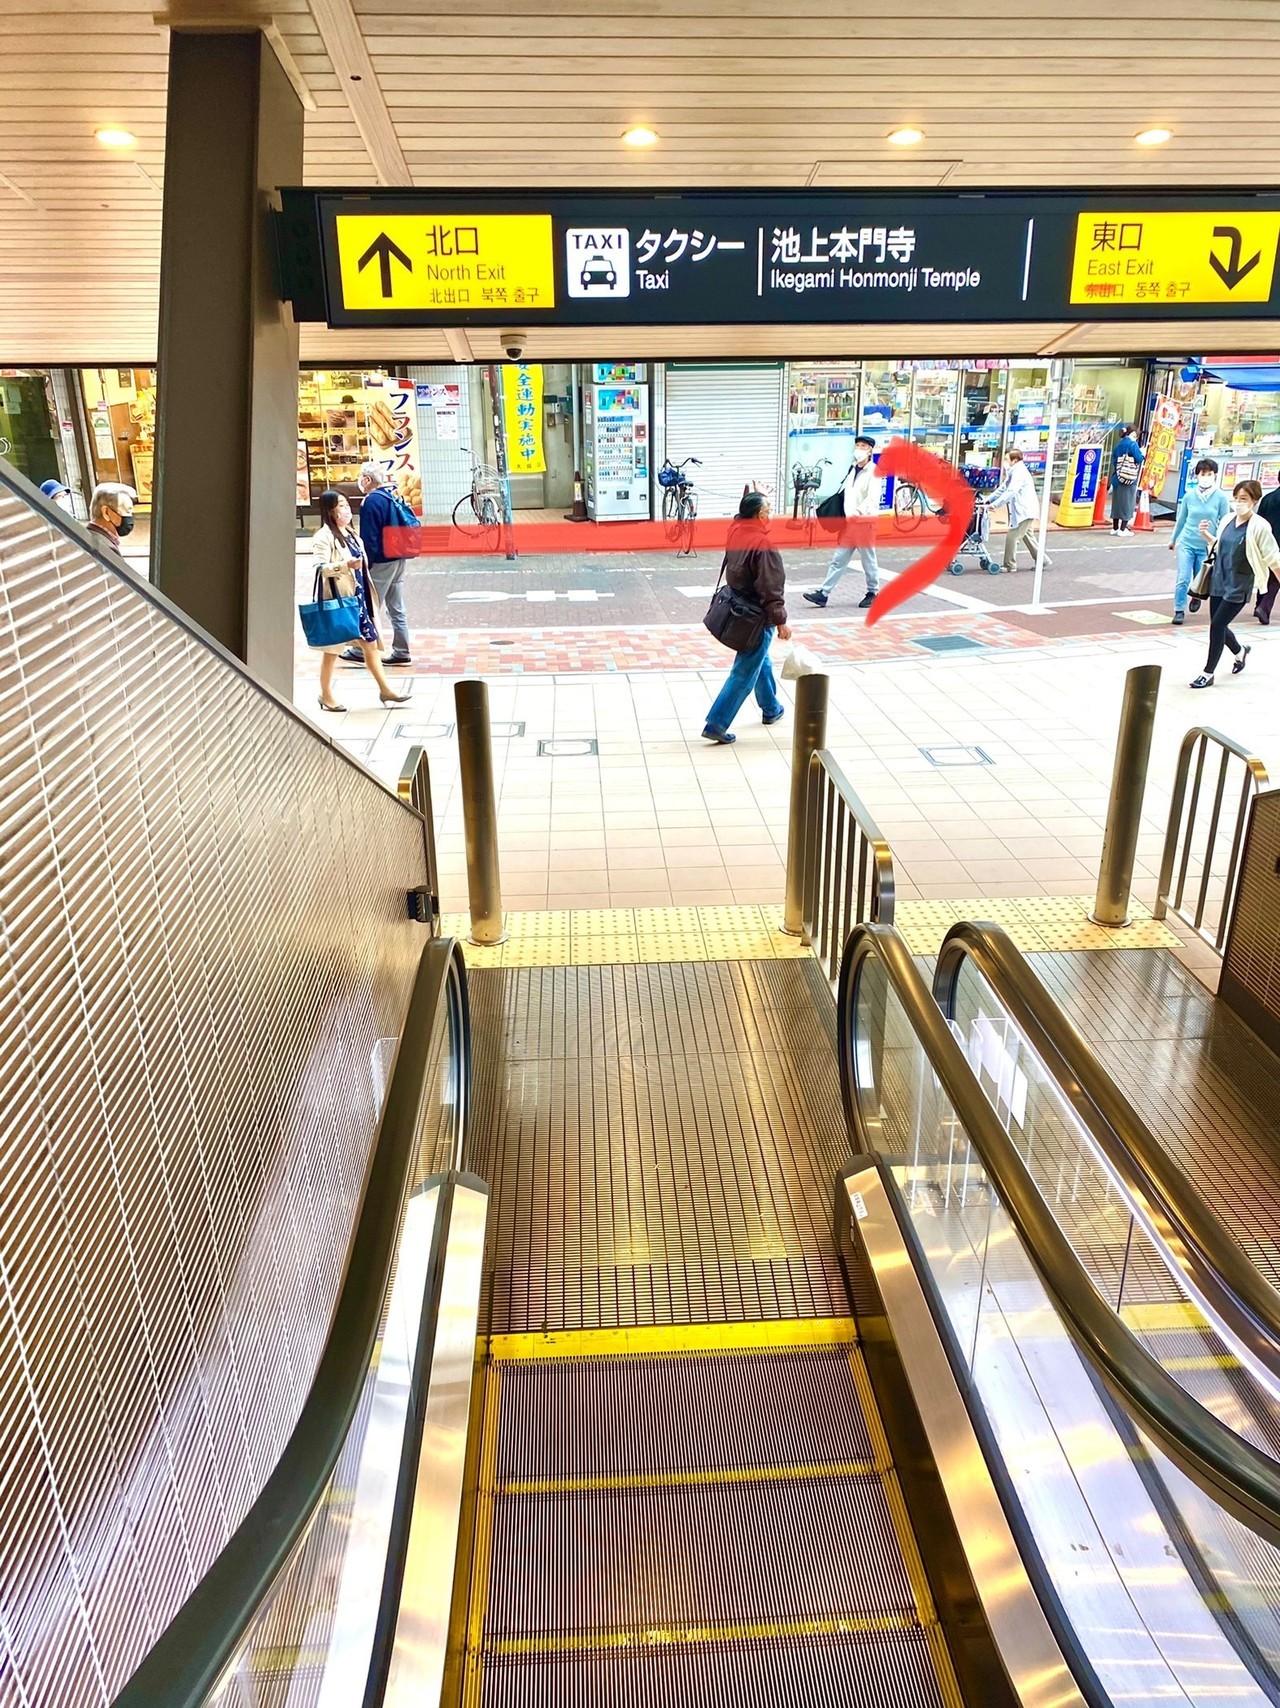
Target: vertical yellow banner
522	415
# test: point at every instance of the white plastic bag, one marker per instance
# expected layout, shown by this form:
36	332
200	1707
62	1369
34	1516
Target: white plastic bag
799	662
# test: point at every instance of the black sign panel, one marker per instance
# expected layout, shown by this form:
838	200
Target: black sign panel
399	258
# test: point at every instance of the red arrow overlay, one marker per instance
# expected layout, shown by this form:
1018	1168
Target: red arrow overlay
948	488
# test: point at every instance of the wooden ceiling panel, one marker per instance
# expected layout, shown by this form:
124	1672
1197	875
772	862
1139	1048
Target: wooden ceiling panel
742	92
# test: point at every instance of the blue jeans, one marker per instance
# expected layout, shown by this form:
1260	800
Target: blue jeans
1190	556
750	670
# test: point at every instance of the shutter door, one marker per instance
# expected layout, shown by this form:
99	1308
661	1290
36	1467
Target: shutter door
731	417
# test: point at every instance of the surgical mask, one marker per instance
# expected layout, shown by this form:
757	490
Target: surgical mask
63	501
862	456
1242	508
1206	482
124	526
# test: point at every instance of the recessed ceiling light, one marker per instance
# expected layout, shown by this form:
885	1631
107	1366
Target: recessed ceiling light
116	138
906	136
640	136
1153	138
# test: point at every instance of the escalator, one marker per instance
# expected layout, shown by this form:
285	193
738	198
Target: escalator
1000	1430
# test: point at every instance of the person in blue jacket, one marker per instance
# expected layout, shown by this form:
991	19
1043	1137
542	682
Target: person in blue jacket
1203	501
1126	465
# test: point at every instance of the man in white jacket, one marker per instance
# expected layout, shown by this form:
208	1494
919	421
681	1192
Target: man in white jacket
1018	491
861	508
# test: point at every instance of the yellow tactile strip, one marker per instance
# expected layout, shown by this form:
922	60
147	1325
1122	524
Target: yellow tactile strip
1035	923
614	936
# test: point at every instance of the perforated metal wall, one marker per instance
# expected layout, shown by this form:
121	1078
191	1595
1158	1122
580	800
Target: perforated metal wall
1251	968
204	959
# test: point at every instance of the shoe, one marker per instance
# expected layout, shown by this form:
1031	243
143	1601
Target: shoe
720	736
1203	682
352	655
1179	617
1194	605
1240	662
397	658
817	597
326	707
1264	620
395	699
775	719
866	601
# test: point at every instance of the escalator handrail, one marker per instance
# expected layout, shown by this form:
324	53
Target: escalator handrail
1211	1261
184	1665
1234	1473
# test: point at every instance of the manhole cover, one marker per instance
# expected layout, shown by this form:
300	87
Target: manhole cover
950	643
568	747
957	756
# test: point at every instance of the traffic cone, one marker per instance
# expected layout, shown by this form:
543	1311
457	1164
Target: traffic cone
579	501
1100	503
1142	515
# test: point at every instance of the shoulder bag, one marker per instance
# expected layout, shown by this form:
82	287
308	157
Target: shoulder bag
735	619
1202	581
1126	469
830	513
335	620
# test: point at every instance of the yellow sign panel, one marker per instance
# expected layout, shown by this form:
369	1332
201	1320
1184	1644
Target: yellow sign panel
446	261
1172	258
522	416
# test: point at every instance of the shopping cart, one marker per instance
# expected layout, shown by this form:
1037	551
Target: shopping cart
978	531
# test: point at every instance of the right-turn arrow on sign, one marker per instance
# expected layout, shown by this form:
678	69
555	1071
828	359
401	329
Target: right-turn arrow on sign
1165	259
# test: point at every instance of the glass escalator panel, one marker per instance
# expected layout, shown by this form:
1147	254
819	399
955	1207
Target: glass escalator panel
1170	1598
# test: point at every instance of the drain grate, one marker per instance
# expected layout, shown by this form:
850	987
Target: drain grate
568	747
950	643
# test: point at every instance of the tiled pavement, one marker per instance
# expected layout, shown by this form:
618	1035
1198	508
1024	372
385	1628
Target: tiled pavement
657	818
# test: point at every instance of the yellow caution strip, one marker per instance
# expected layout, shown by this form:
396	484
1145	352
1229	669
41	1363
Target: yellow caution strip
661	1636
1169	1318
473	1682
667	1338
690	1479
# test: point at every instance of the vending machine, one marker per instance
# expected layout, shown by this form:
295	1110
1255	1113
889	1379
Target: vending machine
615	451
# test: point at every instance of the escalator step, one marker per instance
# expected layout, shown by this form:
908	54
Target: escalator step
878	1670
627	1417
737	1559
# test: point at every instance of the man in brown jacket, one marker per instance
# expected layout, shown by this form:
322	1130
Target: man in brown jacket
752	566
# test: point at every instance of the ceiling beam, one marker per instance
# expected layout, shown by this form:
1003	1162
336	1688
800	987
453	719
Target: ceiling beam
1061	340
459	344
247	15
340	31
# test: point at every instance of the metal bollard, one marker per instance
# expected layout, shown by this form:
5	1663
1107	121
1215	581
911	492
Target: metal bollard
479	812
1128	790
809	733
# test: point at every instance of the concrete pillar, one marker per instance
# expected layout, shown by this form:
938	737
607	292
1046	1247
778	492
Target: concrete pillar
227	381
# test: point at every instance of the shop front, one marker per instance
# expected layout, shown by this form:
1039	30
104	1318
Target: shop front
120	413
1238	418
970	413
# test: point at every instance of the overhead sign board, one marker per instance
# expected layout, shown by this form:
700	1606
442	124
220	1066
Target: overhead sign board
1224	256
422	258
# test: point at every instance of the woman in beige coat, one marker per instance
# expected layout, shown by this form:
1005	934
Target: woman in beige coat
343	569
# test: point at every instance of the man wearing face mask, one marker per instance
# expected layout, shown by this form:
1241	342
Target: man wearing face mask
1203	501
1246	553
111	513
58	494
858	534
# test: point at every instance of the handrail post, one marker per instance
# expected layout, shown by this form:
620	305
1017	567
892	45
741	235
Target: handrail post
808	734
414	788
479	813
1128	790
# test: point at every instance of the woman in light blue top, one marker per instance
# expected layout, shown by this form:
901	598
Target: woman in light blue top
1203	501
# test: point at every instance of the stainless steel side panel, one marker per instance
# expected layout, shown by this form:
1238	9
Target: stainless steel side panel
1019	1628
422	1627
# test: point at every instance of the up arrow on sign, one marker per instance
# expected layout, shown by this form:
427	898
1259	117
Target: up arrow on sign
384	248
1232	271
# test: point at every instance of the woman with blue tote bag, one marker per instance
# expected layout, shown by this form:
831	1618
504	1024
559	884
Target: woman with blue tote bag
343	605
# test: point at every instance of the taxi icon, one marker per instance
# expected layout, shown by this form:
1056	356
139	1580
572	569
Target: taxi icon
598	274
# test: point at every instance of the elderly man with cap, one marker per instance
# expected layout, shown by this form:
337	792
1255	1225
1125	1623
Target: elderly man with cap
111	513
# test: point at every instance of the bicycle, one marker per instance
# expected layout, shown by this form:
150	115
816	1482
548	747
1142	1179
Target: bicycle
806	481
911	504
679	502
478	513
